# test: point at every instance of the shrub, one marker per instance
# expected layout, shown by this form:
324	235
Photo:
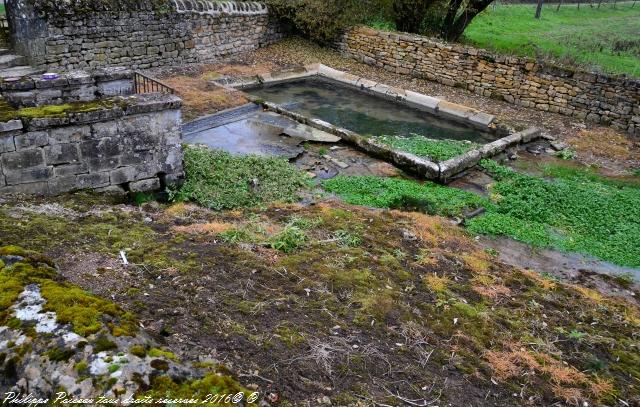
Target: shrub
321	20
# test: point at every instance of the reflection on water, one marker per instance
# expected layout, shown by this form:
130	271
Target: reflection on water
363	113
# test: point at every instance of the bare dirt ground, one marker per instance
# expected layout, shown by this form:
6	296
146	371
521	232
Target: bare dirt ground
374	308
592	143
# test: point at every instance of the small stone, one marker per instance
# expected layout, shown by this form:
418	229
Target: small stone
558	145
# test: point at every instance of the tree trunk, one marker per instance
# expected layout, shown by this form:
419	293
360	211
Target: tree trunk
449	19
539	8
560	4
455	30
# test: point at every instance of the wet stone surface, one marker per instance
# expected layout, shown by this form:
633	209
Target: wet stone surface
257	132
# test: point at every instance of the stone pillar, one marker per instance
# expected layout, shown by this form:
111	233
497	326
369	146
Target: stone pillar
27	30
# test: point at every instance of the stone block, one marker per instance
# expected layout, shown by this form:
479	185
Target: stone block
61	154
22	99
59	185
101	148
70	134
145	185
19	160
104	129
122	175
7	144
27	175
95	180
114	88
70	169
31	139
99	164
33	188
11	125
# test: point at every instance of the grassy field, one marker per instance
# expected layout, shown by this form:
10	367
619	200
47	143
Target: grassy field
605	39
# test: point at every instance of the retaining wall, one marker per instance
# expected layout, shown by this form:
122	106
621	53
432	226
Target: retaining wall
139	37
597	98
131	143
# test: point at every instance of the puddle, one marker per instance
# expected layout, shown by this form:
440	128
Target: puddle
568	266
362	113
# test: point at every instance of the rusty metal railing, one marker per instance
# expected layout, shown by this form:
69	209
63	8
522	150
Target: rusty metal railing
146	84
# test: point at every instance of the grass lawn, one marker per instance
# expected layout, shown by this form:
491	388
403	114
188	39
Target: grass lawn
605	39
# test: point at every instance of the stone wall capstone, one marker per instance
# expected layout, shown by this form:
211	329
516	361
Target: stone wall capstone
133	144
613	101
185	32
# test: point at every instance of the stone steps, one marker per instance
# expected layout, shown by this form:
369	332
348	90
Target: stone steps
19	71
11	60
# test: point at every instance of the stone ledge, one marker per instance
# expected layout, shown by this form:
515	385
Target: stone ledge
95	112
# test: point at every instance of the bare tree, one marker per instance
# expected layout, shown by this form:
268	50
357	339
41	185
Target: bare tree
539	8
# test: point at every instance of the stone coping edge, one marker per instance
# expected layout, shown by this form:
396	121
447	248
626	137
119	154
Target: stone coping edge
122	106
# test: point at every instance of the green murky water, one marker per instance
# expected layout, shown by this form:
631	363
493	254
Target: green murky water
363	113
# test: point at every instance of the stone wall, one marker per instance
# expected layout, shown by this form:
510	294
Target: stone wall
597	98
75	86
131	143
183	32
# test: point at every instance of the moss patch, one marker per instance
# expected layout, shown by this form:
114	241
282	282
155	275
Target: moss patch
72	305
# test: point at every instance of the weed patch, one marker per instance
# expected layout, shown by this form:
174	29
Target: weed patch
435	150
218	180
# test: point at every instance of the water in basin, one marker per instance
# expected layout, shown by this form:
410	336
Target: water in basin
363	113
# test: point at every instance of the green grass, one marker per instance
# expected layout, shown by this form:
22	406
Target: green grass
218	180
606	39
575	211
435	150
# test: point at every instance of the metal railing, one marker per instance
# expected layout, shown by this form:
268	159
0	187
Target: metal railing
145	84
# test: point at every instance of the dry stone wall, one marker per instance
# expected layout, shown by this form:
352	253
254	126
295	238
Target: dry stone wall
597	98
185	32
134	144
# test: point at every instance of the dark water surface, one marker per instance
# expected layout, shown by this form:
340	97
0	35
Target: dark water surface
363	113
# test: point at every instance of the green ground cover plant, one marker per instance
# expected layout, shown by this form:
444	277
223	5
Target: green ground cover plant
435	150
382	192
604	38
574	213
218	180
574	210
